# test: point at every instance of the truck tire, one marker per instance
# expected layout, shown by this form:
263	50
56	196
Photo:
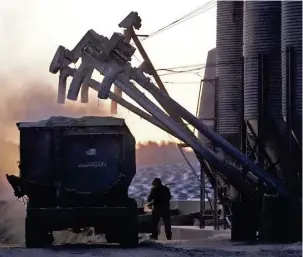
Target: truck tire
130	231
111	239
35	236
130	237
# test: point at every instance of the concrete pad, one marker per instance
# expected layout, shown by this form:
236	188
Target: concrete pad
194	232
191	238
239	248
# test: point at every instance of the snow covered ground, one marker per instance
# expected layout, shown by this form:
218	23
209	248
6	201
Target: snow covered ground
183	184
212	247
181	180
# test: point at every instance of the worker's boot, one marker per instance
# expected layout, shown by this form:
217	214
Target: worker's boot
168	236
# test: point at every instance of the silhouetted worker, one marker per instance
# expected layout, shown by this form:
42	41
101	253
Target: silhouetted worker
159	198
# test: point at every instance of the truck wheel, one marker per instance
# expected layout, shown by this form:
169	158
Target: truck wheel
35	237
129	237
129	242
111	239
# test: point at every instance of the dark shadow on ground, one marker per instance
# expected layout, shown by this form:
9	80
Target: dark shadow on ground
87	246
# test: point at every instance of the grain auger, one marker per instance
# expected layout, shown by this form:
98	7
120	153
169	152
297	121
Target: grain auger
111	57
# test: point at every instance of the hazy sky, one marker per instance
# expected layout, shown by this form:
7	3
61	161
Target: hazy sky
31	30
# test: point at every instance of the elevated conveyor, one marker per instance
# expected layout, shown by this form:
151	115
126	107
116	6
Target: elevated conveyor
111	57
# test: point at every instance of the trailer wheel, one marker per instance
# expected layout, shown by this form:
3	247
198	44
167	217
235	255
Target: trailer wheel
130	233
130	238
110	238
35	236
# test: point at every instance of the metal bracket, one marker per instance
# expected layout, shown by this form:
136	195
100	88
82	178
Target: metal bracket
131	20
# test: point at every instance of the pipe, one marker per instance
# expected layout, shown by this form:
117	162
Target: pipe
113	104
61	88
96	86
84	93
242	120
153	72
132	108
261	110
289	175
139	77
126	86
177	128
180	130
78	78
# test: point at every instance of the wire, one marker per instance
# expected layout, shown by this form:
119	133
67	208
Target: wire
176	71
169	72
193	68
184	66
184	82
184	18
200	68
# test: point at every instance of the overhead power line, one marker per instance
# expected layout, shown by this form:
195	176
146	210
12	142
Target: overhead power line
192	68
173	73
182	82
197	68
181	71
209	5
184	66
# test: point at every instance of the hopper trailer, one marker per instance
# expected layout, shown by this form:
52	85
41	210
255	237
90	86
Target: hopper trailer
75	173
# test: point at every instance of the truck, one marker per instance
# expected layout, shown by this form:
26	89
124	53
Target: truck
75	173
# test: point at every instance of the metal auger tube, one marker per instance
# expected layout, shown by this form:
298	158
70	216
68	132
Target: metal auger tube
95	85
104	65
62	88
78	79
230	171
139	77
127	87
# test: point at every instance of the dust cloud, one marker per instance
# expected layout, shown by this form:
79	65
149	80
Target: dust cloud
28	100
152	153
34	99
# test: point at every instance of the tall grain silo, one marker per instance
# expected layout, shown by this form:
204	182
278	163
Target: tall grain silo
292	36
206	111
206	108
292	39
262	34
229	45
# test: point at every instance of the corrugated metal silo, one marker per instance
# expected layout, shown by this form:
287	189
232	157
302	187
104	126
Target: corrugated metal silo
292	36
206	107
262	34
229	45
